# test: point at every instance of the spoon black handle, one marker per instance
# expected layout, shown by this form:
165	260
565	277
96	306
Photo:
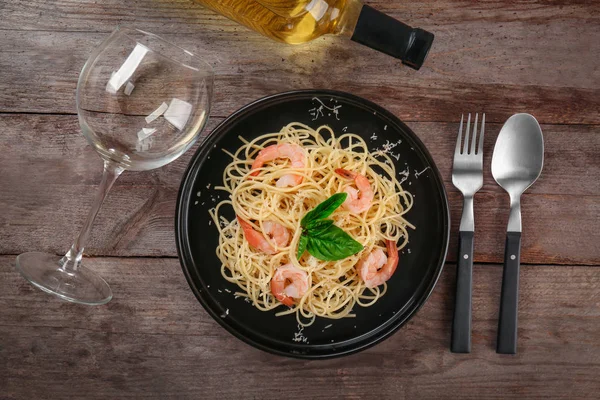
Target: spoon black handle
507	324
461	324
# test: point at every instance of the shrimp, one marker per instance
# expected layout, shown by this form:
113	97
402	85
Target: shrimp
289	282
376	268
360	199
284	150
276	232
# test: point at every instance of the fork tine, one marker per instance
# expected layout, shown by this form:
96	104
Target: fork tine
466	144
474	138
480	150
458	140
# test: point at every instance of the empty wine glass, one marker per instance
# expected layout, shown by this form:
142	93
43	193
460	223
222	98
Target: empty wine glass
142	102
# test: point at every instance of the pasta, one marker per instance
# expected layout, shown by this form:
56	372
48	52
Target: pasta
334	287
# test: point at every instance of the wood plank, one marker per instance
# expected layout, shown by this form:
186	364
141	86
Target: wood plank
523	64
189	16
138	221
154	340
51	148
50	175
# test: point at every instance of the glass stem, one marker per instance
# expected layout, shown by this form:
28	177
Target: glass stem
71	260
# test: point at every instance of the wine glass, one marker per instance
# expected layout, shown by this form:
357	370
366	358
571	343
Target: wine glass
142	102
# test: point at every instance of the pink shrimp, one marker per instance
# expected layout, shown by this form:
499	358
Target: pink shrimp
285	150
276	232
288	283
359	198
376	268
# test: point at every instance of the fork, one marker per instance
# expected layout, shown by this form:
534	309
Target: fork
467	176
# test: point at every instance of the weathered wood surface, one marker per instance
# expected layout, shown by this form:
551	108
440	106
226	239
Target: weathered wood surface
50	175
153	340
499	56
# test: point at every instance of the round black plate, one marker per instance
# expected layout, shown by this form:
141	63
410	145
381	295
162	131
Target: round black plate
421	261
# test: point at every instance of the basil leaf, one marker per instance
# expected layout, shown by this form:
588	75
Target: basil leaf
325	209
316	227
321	237
302	246
332	244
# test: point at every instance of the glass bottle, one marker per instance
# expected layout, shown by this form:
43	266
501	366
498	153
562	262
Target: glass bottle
300	21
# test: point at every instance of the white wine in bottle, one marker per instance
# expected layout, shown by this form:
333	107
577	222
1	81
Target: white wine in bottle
300	21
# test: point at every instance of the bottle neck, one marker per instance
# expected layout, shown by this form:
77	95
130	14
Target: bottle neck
390	36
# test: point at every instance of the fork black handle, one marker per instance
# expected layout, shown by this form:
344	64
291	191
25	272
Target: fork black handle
509	300
461	324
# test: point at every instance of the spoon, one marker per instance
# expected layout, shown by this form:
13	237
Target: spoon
517	163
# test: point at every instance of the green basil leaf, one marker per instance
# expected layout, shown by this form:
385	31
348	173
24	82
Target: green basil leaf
325	209
302	245
316	227
332	244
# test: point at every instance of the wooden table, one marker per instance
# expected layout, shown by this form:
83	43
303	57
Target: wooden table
155	340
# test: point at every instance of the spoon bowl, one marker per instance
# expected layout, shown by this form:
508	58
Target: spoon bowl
519	154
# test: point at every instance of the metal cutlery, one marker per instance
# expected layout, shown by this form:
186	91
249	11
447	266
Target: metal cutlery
517	163
467	176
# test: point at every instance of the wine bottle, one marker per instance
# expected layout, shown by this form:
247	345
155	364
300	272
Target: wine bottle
300	21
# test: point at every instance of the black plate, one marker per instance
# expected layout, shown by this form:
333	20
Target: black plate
421	261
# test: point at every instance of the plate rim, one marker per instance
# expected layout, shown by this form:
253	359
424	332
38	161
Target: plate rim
182	208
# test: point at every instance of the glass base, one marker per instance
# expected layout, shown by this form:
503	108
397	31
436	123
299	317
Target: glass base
79	285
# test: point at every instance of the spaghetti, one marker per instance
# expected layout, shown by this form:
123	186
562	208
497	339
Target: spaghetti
334	287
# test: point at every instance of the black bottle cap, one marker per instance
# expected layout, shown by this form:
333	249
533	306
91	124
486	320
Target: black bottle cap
388	35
